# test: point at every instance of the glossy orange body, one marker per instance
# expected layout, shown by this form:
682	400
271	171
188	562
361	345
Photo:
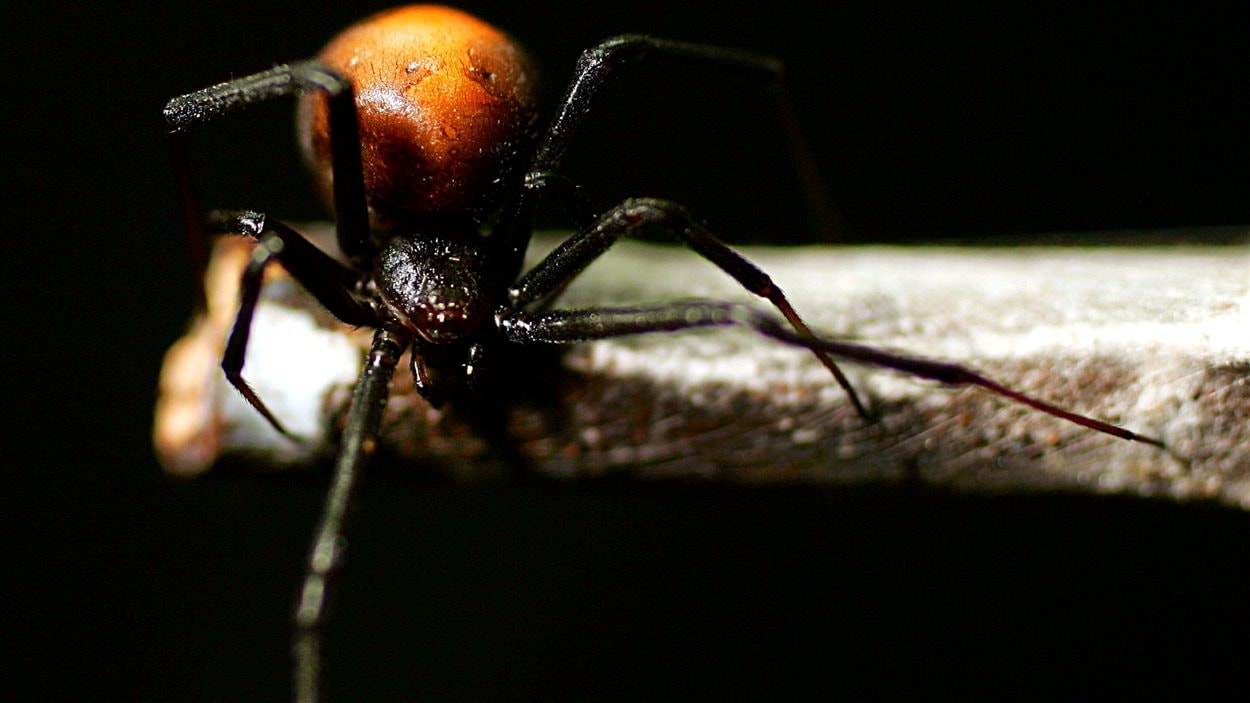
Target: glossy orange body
447	111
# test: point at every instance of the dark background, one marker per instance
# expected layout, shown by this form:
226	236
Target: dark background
953	123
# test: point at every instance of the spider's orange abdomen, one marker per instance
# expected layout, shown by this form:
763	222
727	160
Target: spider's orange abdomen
446	105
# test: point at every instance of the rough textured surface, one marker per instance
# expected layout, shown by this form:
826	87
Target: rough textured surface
1156	340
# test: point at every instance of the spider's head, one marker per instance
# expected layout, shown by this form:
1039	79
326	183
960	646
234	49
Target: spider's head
436	286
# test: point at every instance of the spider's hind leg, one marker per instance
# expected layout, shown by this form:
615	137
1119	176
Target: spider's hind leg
193	110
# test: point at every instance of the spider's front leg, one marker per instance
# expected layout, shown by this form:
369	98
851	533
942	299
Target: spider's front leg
577	252
566	326
330	282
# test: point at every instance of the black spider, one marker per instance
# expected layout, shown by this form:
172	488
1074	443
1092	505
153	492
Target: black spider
420	124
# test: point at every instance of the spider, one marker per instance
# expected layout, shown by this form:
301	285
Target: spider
419	125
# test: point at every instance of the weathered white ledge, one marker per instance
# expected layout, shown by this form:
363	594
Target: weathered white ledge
1156	340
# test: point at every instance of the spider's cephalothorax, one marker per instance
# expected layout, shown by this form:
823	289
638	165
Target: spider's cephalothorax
419	125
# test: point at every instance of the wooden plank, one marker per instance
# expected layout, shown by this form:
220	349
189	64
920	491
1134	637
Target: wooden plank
1154	339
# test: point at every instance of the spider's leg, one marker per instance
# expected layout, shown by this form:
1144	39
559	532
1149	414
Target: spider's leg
325	556
334	286
193	109
579	250
565	326
594	70
330	282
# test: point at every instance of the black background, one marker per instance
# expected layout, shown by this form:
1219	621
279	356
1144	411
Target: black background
965	123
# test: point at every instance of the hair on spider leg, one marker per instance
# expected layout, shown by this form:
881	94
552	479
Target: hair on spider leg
417	164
